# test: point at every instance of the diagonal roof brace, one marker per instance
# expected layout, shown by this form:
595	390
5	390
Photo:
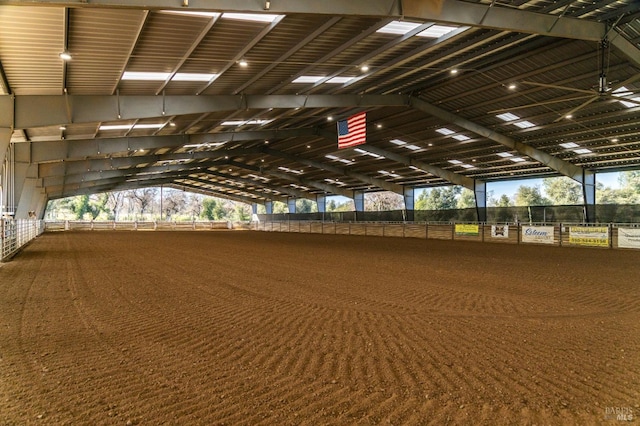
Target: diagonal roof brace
447	175
563	167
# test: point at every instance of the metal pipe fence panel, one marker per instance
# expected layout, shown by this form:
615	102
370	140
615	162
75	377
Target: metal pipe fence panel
15	234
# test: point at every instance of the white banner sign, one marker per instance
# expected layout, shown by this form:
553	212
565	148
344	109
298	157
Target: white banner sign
499	231
538	234
629	237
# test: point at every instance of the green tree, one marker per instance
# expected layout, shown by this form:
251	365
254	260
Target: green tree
503	201
280	207
438	198
467	199
332	206
87	207
530	196
213	209
242	212
563	190
305	206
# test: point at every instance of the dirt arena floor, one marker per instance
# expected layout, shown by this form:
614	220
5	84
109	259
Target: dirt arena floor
250	328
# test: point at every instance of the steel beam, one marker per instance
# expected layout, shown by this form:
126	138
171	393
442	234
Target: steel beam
48	110
81	148
563	167
448	11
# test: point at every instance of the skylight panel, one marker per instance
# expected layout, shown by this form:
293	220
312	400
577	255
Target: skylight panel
467	166
445	131
507	116
149	76
517	160
129	126
308	79
254	17
398	27
569	145
461	138
504	154
524	124
582	151
243	122
193	13
115	127
339	80
288	170
398	142
412	147
436	31
390	174
193	77
455	161
331	157
371	154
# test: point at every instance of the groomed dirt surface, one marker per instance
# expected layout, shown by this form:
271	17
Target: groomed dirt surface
249	328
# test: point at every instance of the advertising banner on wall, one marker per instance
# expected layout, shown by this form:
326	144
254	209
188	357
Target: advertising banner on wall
538	234
596	236
467	229
629	237
499	231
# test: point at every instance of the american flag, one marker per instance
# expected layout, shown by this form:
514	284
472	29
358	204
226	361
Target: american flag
352	131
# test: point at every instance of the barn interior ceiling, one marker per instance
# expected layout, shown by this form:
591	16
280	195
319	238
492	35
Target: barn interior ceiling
240	99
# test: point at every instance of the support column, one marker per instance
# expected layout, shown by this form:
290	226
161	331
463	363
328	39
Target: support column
291	204
480	191
358	201
589	195
409	202
5	170
321	202
254	208
268	206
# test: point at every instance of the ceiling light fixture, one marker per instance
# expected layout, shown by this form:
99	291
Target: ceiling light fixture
267	5
454	71
65	56
364	68
243	63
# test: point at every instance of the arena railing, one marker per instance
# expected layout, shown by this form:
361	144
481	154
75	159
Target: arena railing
609	235
569	234
15	234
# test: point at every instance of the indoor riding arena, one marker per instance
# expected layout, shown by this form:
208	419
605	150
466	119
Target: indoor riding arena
245	327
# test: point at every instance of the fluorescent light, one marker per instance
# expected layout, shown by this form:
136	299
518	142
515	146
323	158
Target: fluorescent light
398	27
517	159
467	166
254	17
436	31
461	137
524	124
151	76
582	151
569	145
412	147
193	77
398	142
204	145
455	161
331	157
243	122
507	116
308	79
504	154
445	131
